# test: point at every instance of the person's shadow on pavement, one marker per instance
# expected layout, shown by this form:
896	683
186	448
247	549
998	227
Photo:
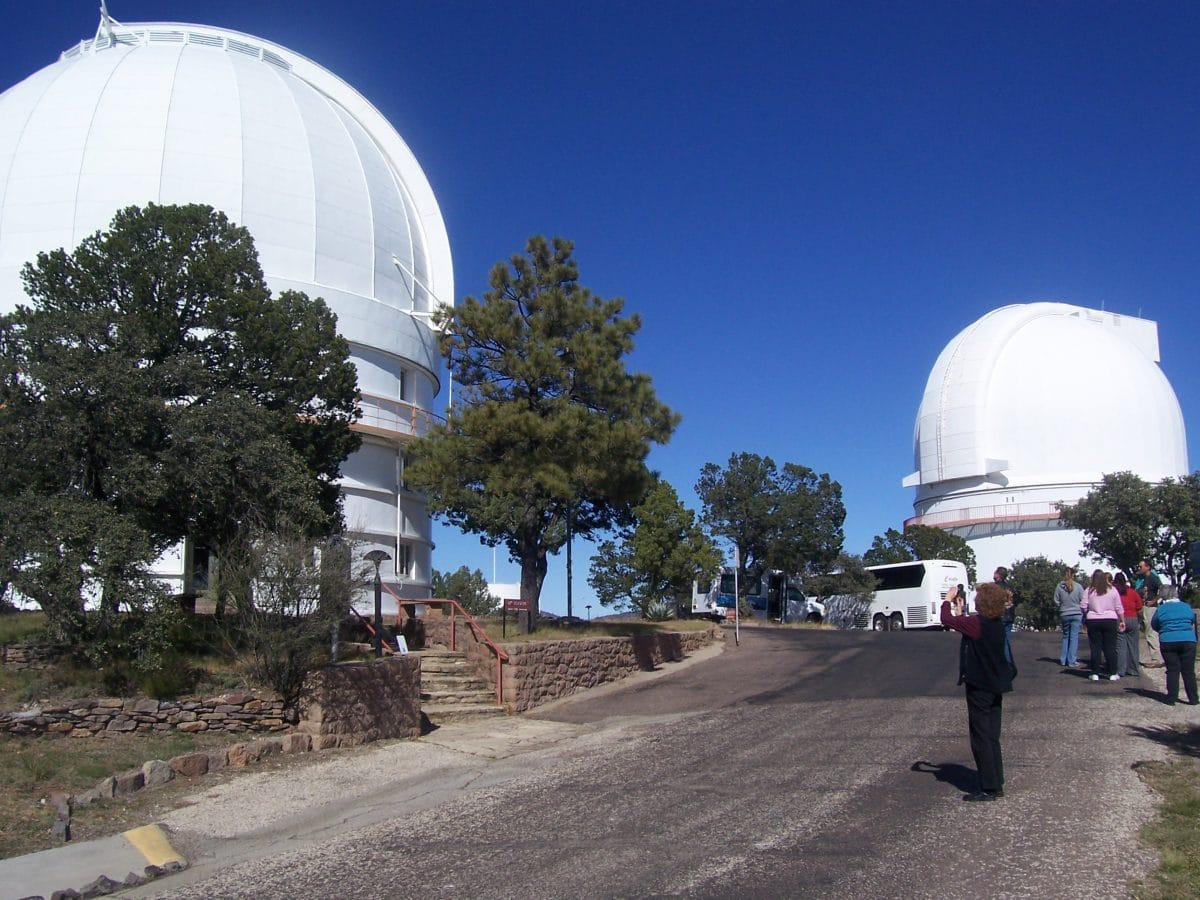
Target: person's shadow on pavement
960	777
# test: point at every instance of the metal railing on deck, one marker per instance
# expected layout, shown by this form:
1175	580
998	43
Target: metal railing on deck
477	629
997	513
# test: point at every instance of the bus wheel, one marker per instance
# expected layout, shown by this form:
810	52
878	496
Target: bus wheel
879	623
897	622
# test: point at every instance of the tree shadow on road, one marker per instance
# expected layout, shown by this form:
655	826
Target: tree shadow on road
959	777
1183	739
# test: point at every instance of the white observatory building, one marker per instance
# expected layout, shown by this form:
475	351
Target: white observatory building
337	204
1031	406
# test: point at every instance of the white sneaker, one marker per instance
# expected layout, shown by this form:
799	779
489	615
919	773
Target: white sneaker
1093	678
1114	677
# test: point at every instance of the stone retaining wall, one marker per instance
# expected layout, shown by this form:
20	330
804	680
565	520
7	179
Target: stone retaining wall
540	671
359	702
25	656
345	705
233	713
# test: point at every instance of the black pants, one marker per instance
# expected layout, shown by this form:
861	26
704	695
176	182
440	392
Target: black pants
1102	633
1180	658
984	711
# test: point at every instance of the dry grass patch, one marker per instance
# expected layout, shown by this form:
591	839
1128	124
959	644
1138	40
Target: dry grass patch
33	768
21	626
1175	835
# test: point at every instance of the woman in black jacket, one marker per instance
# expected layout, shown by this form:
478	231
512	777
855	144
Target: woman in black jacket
988	676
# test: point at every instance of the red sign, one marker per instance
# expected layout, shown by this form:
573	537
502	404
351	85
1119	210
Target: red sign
517	605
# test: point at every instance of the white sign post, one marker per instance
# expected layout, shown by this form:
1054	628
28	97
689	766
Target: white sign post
737	620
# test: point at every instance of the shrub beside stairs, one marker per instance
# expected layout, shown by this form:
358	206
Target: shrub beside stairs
450	689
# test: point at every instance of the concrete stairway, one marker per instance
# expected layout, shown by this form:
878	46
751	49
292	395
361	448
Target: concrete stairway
450	690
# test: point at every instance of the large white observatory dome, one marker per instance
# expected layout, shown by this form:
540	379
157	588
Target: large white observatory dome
1031	406
335	200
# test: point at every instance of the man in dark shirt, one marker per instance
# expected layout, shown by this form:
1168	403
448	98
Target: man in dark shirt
988	676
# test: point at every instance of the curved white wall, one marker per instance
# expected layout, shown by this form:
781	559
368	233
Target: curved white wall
1031	406
337	204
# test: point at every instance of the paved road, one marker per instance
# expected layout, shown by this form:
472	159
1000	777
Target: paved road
802	763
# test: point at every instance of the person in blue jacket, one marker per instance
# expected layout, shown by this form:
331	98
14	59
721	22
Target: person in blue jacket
1175	622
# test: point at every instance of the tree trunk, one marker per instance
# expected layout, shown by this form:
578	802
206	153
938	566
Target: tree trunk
533	573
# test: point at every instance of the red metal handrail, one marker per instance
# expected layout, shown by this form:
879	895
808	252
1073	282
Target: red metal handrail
371	630
476	628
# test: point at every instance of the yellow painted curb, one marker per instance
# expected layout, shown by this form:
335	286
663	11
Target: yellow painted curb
151	841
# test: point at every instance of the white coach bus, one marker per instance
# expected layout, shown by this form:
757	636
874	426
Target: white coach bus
910	594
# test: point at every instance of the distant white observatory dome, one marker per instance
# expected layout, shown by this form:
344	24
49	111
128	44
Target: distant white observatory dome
337	204
1031	406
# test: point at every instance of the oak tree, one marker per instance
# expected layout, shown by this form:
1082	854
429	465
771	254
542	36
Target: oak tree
656	558
920	542
789	519
155	386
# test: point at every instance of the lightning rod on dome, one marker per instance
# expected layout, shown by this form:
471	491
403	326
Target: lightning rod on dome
106	24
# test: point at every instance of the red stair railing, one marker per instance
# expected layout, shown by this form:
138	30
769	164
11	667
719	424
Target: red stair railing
477	629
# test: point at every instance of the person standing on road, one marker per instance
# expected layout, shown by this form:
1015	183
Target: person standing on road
1127	642
1151	585
1067	596
1000	577
988	676
1105	617
1175	622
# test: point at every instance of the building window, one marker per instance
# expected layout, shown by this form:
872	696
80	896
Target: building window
405	388
403	560
198	564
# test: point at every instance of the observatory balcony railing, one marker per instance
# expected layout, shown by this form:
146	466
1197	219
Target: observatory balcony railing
980	515
393	418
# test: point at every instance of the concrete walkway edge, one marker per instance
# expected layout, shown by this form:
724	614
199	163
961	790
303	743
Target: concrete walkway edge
123	860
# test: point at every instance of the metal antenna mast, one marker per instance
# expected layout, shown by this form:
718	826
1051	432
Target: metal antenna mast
107	22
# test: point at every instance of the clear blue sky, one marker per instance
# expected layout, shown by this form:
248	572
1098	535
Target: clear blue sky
803	201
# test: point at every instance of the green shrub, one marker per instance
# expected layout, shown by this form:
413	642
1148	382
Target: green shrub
116	677
174	679
660	611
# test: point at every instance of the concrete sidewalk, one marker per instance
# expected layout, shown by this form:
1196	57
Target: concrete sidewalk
124	860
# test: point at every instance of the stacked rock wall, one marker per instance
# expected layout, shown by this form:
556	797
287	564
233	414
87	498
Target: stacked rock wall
112	715
540	671
25	656
345	705
361	702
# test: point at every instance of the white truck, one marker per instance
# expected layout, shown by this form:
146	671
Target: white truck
780	597
715	599
772	595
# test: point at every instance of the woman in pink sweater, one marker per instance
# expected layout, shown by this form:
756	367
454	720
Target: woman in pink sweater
1105	618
